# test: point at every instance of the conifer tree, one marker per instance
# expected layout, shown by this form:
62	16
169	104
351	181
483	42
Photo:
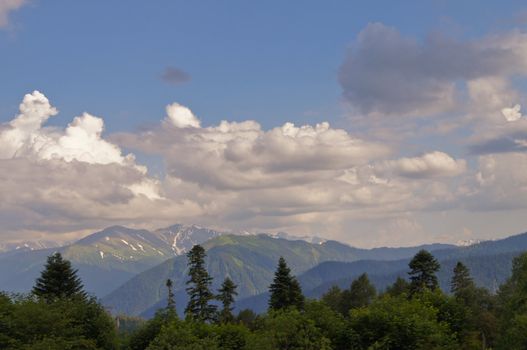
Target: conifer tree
200	296
423	268
226	295
461	281
171	301
58	280
285	290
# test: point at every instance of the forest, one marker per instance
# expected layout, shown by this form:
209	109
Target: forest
412	313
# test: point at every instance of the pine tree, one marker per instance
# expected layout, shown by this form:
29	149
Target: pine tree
171	301
226	295
285	290
423	268
58	280
461	281
200	296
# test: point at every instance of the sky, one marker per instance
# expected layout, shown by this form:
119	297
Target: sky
375	123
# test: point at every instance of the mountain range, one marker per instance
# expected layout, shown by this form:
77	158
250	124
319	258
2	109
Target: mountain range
105	259
128	268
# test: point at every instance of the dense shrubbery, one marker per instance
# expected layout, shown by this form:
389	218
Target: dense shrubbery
415	315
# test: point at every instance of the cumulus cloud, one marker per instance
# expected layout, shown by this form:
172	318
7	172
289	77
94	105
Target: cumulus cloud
175	76
428	165
8	6
512	114
25	135
243	155
181	117
386	73
57	180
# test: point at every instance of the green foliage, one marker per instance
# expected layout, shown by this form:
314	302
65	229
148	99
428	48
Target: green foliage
246	317
288	329
461	281
423	269
226	295
512	299
141	338
198	335
399	323
285	290
200	296
399	287
361	293
71	323
58	281
171	300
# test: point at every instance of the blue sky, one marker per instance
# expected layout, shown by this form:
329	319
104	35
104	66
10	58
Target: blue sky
272	61
413	129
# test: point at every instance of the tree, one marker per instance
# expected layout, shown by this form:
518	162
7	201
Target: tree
423	268
285	290
461	281
399	323
198	289
226	295
333	298
362	291
171	301
58	280
288	329
400	286
512	302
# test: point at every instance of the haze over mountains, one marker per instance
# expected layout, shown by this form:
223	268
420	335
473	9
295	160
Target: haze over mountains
128	268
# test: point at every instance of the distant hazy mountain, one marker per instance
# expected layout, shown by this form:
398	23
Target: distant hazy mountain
249	261
105	259
28	245
181	238
490	263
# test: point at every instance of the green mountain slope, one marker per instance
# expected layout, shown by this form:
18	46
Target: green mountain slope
249	261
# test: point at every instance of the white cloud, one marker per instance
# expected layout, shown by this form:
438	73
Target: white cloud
181	117
8	6
429	165
512	114
58	180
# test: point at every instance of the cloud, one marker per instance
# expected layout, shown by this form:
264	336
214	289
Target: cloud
429	165
508	136
512	114
8	6
175	76
386	73
59	180
501	182
25	135
181	117
241	155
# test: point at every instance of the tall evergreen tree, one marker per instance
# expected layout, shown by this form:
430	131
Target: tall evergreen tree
200	296
58	280
285	290
226	295
461	281
171	300
423	268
